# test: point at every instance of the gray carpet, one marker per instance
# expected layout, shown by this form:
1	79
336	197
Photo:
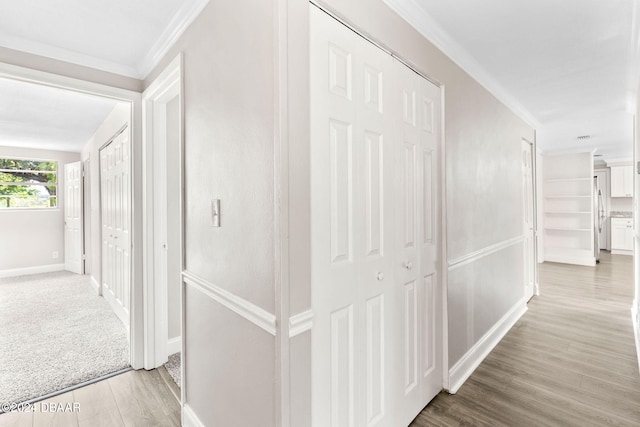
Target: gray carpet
55	332
173	368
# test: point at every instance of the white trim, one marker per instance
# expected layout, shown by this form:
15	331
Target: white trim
481	253
589	261
300	323
418	18
444	271
463	369
621	252
174	345
251	312
31	270
635	319
96	286
168	83
30	75
178	25
55	52
189	417
175	28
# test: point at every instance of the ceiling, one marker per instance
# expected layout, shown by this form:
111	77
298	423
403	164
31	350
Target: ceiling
570	67
48	118
119	36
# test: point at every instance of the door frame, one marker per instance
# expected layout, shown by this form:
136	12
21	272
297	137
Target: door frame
534	215
534	185
155	296
44	78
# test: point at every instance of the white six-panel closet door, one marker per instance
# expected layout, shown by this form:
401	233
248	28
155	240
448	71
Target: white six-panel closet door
374	180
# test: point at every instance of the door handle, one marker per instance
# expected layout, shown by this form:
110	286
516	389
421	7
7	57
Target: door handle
380	276
408	265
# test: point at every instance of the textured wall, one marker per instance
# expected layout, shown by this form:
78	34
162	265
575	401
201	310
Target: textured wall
229	155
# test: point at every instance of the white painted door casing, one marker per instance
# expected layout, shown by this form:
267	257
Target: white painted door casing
73	218
528	219
162	136
376	340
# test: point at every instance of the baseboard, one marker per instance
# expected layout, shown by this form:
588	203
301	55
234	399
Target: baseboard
174	345
189	418
31	270
96	286
621	252
463	369
586	261
636	328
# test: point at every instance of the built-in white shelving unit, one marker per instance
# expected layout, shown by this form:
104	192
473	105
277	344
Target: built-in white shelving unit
568	209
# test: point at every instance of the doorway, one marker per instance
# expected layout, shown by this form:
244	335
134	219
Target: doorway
130	112
528	208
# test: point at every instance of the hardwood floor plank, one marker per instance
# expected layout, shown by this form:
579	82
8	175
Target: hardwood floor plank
569	361
98	406
57	411
137	399
16	419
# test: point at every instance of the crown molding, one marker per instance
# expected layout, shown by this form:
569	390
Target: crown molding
180	22
176	27
418	18
65	55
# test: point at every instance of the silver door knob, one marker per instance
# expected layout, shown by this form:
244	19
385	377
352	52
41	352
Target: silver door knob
380	276
408	265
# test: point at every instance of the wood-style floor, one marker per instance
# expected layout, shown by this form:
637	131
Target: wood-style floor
569	361
135	398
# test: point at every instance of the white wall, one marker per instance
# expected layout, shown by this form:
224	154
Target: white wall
229	113
229	63
113	123
29	237
174	257
622	204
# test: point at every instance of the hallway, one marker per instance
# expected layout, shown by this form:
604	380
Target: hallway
570	360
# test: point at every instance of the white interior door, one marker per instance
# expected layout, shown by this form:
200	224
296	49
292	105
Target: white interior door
115	185
73	227
528	221
417	241
375	246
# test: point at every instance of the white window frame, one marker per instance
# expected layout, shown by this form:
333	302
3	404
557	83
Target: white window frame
56	184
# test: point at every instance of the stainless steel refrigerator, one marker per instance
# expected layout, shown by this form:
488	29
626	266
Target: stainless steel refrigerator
598	216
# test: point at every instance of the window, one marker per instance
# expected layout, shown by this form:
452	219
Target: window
28	184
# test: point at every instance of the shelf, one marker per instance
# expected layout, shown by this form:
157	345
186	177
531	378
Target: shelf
568	197
567	212
568	179
566	229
